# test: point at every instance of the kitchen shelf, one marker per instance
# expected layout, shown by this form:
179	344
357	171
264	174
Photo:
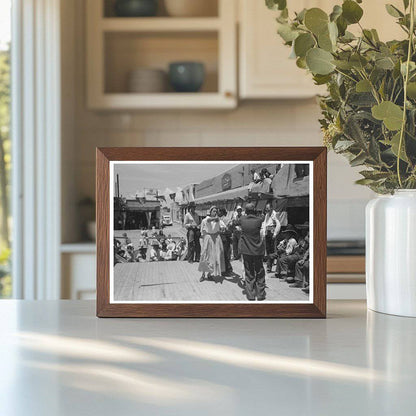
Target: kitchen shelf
130	101
116	46
159	24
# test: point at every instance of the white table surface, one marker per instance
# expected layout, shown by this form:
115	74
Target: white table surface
57	358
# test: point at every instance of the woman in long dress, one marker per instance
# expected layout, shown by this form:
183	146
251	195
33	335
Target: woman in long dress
212	260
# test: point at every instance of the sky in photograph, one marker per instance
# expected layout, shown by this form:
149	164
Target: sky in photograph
5	21
135	177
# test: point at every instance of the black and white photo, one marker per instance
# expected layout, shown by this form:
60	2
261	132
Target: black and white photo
211	232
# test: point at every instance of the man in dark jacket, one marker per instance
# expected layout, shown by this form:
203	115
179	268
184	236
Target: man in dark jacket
252	249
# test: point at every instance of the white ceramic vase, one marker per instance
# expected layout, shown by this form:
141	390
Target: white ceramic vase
391	253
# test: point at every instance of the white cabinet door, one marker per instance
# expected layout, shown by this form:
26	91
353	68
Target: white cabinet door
265	68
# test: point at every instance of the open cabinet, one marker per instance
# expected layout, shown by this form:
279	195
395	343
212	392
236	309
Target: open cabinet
116	46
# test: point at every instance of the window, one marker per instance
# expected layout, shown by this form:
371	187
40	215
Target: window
5	158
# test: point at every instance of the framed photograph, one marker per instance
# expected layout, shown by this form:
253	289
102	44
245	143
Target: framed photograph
211	232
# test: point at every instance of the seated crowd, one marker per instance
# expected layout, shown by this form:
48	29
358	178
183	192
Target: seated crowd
152	246
289	252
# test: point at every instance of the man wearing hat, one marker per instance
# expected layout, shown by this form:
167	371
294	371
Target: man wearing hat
192	224
252	249
237	232
287	254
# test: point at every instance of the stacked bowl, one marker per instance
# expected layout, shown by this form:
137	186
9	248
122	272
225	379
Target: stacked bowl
147	80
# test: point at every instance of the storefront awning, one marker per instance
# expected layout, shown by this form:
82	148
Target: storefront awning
141	205
232	194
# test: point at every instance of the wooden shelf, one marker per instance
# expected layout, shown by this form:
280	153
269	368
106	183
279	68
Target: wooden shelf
159	24
163	101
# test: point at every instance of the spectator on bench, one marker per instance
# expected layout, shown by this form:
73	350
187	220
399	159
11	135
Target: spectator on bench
301	279
293	252
297	255
284	250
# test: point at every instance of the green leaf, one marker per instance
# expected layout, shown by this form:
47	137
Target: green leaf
348	37
276	4
385	63
364	181
321	79
393	11
284	14
411	90
342	25
351	11
286	32
358	160
358	61
324	42
406	4
300	17
374	175
354	132
319	61
316	20
374	150
368	36
394	145
303	43
336	12
375	35
333	32
343	65
412	67
301	63
391	114
327	40
343	145
382	88
361	99
363	86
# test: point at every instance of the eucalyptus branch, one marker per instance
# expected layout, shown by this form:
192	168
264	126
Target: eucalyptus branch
382	122
392	90
346	75
406	80
373	89
398	95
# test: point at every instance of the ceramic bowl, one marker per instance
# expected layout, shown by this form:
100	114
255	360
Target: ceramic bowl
136	8
186	76
147	80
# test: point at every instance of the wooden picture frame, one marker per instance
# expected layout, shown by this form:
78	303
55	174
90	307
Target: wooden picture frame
316	156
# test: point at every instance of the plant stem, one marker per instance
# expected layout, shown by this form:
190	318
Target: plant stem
346	75
406	80
373	89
